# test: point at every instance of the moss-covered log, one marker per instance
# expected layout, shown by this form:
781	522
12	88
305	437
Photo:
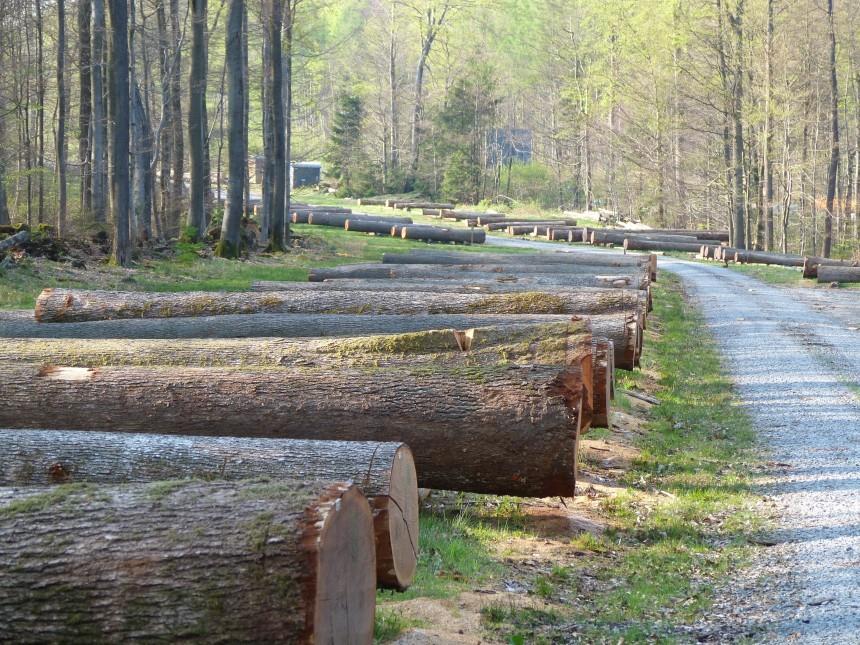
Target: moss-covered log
623	329
385	473
499	428
187	561
68	305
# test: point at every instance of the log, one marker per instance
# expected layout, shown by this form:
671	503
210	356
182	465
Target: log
488	218
339	220
190	561
372	201
481	428
720	236
385	473
14	240
623	329
611	237
438	234
300	216
543	229
577	257
635	244
70	305
811	264
830	273
520	229
409	205
368	226
462	282
761	257
500	226
603	381
465	271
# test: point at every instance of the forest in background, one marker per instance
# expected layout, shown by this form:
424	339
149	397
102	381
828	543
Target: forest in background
742	114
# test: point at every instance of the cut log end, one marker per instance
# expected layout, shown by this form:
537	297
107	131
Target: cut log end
346	586
396	524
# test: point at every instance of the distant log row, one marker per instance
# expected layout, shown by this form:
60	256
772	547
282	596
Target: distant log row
61	305
500	226
169	561
385	473
579	257
481	428
811	265
339	219
461	282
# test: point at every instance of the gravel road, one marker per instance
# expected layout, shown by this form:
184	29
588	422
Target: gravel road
794	356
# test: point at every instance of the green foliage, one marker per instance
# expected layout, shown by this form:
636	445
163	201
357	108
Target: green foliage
189	235
345	155
390	624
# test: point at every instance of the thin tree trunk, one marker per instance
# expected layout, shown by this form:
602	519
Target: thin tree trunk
196	123
61	119
833	169
229	244
119	116
86	102
178	155
278	213
246	75
99	117
767	171
292	6
740	239
40	99
392	88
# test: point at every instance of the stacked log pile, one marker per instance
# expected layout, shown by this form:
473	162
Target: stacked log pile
318	406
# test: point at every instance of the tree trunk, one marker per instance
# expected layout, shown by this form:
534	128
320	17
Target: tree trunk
142	176
60	136
522	424
14	240
258	561
833	168
238	166
118	104
385	472
40	108
740	240
768	132
99	119
292	6
178	154
277	221
196	124
66	305
85	11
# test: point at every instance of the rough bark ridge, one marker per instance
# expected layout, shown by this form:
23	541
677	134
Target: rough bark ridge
385	473
250	561
578	257
499	428
68	305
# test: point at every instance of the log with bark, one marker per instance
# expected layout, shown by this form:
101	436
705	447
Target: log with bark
746	256
68	305
721	236
338	220
623	329
811	264
637	244
495	428
9	243
609	237
427	256
832	273
500	226
439	234
385	473
520	229
372	201
256	561
463	282
466	271
603	379
379	227
409	205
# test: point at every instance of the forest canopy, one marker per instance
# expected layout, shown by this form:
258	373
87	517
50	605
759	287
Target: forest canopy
739	114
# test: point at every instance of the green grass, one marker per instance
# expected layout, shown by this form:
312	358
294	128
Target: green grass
772	274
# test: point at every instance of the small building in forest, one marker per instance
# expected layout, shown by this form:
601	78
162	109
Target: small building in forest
506	144
305	173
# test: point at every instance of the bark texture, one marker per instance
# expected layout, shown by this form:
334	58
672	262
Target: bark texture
68	305
578	257
438	234
507	271
829	273
495	428
385	473
240	562
339	219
